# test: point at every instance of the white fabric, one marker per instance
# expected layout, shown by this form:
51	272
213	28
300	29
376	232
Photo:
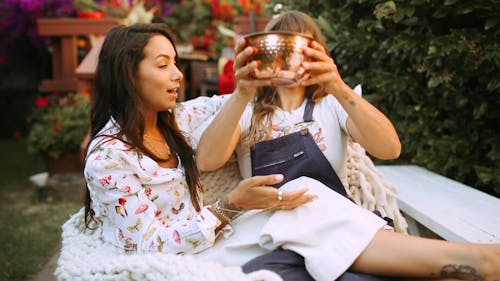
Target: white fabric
330	232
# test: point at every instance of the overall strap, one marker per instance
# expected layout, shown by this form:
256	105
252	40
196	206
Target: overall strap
308	111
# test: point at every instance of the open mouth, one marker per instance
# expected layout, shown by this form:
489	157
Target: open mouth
173	90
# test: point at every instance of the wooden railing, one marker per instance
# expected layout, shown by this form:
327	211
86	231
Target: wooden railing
64	33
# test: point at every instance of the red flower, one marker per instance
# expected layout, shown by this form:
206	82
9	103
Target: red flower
57	127
122	201
116	3
17	135
42	102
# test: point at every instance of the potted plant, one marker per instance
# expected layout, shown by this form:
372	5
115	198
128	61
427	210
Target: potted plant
252	15
57	127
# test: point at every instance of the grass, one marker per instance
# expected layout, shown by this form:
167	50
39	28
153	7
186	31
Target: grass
31	229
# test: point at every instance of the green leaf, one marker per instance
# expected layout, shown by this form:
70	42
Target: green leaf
325	25
450	2
480	111
491	22
434	82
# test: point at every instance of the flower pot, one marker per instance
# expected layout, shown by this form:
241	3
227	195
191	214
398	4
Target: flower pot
243	24
66	163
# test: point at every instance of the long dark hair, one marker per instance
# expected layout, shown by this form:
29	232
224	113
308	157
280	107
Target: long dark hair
116	97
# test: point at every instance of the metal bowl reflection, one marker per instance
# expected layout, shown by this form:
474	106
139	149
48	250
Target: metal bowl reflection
280	55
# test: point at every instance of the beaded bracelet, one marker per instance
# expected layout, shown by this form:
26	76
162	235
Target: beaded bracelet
220	210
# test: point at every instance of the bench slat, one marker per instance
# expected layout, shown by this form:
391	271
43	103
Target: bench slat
450	209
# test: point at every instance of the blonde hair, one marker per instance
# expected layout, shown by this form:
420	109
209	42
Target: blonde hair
267	100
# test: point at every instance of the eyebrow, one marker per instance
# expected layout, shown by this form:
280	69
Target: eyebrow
163	56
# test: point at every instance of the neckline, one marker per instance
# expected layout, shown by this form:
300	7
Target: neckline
298	109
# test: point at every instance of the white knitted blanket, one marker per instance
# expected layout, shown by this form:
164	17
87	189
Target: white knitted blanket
85	256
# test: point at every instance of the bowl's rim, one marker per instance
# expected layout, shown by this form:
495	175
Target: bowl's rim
278	32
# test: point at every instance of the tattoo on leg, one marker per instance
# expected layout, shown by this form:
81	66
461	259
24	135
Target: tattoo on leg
461	271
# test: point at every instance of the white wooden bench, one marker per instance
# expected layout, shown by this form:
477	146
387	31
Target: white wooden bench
452	210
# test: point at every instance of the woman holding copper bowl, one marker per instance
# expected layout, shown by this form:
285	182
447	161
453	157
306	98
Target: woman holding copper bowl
292	114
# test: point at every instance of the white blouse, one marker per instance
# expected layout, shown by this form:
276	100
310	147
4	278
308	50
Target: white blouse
142	206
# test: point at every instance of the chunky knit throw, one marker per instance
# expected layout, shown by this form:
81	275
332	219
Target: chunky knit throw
85	256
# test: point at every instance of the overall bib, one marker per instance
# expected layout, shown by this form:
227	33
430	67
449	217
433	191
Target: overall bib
295	155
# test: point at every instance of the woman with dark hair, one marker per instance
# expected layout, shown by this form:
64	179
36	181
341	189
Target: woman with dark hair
143	186
307	124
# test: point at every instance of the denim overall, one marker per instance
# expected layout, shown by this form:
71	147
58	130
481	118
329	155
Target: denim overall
295	155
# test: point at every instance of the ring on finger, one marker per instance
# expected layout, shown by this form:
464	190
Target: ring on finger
280	195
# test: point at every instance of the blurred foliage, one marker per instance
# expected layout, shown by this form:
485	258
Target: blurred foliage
189	18
433	68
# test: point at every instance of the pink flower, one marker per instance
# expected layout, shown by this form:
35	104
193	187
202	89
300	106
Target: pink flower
177	237
105	181
141	209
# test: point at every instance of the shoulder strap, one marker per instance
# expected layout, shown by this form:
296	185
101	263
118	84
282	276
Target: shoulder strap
308	111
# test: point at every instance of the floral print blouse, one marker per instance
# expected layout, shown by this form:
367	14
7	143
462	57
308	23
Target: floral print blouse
141	206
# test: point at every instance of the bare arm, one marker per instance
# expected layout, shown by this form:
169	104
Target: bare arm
221	137
369	127
366	124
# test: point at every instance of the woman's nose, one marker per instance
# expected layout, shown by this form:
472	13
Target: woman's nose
178	74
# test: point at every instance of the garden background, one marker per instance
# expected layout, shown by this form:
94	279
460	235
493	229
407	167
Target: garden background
431	66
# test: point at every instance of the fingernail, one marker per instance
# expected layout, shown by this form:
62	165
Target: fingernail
278	177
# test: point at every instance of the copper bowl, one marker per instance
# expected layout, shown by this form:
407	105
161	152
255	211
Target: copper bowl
280	55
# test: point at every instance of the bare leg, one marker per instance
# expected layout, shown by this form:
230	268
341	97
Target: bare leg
396	254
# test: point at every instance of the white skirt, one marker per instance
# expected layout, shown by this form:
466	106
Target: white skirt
330	232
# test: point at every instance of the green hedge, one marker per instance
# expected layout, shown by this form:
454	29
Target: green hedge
433	68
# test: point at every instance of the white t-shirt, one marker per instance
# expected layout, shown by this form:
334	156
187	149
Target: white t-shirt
329	131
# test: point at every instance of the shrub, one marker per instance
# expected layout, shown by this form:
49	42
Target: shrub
58	124
432	67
